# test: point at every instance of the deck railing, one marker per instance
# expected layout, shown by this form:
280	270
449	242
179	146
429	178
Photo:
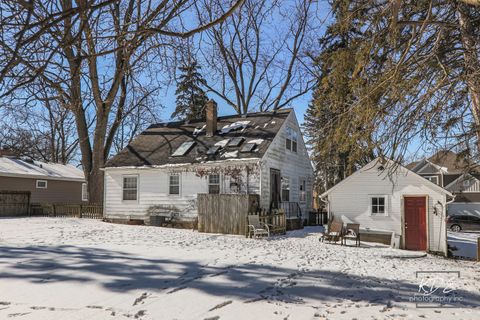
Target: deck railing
292	209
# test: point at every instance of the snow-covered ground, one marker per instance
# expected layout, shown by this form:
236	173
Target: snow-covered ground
463	244
85	269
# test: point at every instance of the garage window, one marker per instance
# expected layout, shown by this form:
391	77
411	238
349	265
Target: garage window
378	205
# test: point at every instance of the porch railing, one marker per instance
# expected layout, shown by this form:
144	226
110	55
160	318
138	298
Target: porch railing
292	209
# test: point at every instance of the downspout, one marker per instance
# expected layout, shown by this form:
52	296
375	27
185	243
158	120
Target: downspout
444	221
325	200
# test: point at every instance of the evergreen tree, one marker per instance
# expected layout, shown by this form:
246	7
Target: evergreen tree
338	133
191	99
391	72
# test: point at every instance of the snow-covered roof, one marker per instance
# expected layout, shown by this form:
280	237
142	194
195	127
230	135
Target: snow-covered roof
378	161
14	167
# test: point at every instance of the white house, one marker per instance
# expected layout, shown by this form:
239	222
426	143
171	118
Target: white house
398	204
170	163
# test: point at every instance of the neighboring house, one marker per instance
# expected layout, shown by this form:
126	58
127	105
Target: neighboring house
46	182
393	205
451	172
167	165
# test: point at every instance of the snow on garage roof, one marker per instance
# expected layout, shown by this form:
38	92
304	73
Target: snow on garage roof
15	167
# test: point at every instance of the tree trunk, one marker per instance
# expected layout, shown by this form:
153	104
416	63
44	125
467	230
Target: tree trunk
472	64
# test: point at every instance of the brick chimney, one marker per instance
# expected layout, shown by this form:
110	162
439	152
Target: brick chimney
211	112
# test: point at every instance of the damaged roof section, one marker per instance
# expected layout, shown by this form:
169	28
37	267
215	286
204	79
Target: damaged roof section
165	143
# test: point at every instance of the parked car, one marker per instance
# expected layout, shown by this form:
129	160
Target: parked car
463	222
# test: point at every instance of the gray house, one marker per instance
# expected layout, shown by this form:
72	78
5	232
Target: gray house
46	182
170	163
452	172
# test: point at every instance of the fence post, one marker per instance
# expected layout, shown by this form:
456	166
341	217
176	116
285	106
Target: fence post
80	212
478	249
54	210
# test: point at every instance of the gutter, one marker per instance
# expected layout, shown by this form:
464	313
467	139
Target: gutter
180	165
41	177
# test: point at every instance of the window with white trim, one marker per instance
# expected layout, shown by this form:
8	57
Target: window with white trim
84	192
174	184
302	186
291	139
378	205
466	183
285	189
130	188
433	179
42	184
214	184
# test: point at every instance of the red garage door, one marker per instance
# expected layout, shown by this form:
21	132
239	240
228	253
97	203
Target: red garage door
415	223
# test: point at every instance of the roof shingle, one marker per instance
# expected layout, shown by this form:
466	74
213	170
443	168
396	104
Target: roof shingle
156	144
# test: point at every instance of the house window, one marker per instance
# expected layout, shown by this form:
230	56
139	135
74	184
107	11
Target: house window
302	185
84	192
130	187
466	183
378	205
291	140
285	189
174	184
433	179
214	184
42	184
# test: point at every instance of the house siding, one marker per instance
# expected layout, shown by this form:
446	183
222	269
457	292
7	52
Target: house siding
350	202
57	191
153	190
294	165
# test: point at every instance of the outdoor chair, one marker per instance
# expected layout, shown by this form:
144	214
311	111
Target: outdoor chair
334	232
352	231
256	227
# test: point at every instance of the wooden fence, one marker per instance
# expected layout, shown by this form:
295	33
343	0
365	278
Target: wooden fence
225	213
89	211
14	203
275	219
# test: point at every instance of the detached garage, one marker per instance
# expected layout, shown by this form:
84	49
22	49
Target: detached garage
392	204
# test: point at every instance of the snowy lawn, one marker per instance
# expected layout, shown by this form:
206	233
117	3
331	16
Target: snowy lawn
463	244
85	269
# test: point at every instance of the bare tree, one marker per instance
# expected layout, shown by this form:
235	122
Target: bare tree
87	57
36	127
256	59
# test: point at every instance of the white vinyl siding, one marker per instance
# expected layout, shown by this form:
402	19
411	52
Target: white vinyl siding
291	164
351	202
154	190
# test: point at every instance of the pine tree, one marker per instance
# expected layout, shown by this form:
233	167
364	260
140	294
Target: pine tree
339	135
191	99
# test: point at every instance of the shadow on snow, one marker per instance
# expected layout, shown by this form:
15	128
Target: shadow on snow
120	271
